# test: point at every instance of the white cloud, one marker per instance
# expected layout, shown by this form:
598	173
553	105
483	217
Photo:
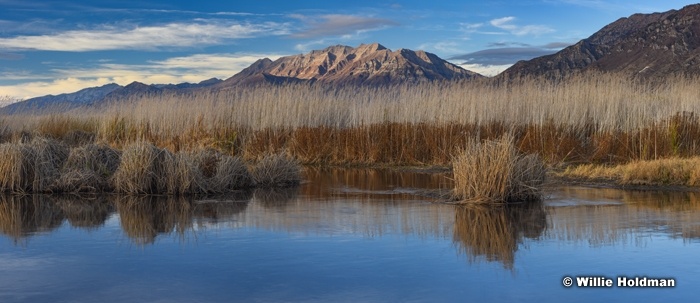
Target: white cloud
305	47
339	25
506	23
486	70
144	38
443	47
192	69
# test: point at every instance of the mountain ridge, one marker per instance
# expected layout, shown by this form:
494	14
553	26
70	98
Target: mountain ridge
367	64
641	45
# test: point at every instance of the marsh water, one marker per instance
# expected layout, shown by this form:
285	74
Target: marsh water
347	236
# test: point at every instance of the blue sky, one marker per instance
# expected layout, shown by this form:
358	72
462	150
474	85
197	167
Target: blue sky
52	47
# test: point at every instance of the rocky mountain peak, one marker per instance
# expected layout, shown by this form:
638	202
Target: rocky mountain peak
365	64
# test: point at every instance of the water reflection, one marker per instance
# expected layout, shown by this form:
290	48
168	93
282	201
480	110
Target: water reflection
374	183
144	217
22	216
82	212
495	233
373	203
275	198
221	208
604	216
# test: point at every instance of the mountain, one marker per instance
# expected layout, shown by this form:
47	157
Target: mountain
98	95
368	64
643	45
136	90
62	102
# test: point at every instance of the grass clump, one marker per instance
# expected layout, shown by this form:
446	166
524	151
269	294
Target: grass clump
231	174
495	172
16	167
276	170
31	167
140	170
88	169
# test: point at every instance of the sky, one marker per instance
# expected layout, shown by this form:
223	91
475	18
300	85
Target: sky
54	47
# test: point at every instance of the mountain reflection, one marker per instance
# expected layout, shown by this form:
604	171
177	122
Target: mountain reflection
496	232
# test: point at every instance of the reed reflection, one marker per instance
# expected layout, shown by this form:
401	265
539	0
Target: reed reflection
88	213
222	208
275	198
495	232
23	216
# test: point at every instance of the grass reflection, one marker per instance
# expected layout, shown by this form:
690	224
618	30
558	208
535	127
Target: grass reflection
495	232
22	216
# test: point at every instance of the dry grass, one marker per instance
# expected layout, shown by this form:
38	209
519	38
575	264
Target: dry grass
495	172
276	170
675	171
603	118
231	174
16	167
140	170
31	167
88	169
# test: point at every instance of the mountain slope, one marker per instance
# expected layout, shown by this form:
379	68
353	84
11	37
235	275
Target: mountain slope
646	45
62	102
371	64
98	95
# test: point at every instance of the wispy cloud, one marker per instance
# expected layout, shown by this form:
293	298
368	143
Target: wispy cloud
338	25
194	68
442	47
506	23
153	37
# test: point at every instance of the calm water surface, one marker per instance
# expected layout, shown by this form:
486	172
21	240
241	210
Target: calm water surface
347	236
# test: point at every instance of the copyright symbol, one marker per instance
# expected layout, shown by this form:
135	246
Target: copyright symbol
567	282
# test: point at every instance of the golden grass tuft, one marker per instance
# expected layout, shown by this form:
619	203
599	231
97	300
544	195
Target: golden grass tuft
31	167
276	170
16	167
50	157
141	170
231	174
181	175
101	159
495	172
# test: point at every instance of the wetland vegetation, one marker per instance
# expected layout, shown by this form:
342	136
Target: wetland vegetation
592	120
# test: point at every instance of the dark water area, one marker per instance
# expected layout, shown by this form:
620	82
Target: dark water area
348	236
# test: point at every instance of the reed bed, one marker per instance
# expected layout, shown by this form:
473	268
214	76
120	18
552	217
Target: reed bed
596	118
495	172
600	118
